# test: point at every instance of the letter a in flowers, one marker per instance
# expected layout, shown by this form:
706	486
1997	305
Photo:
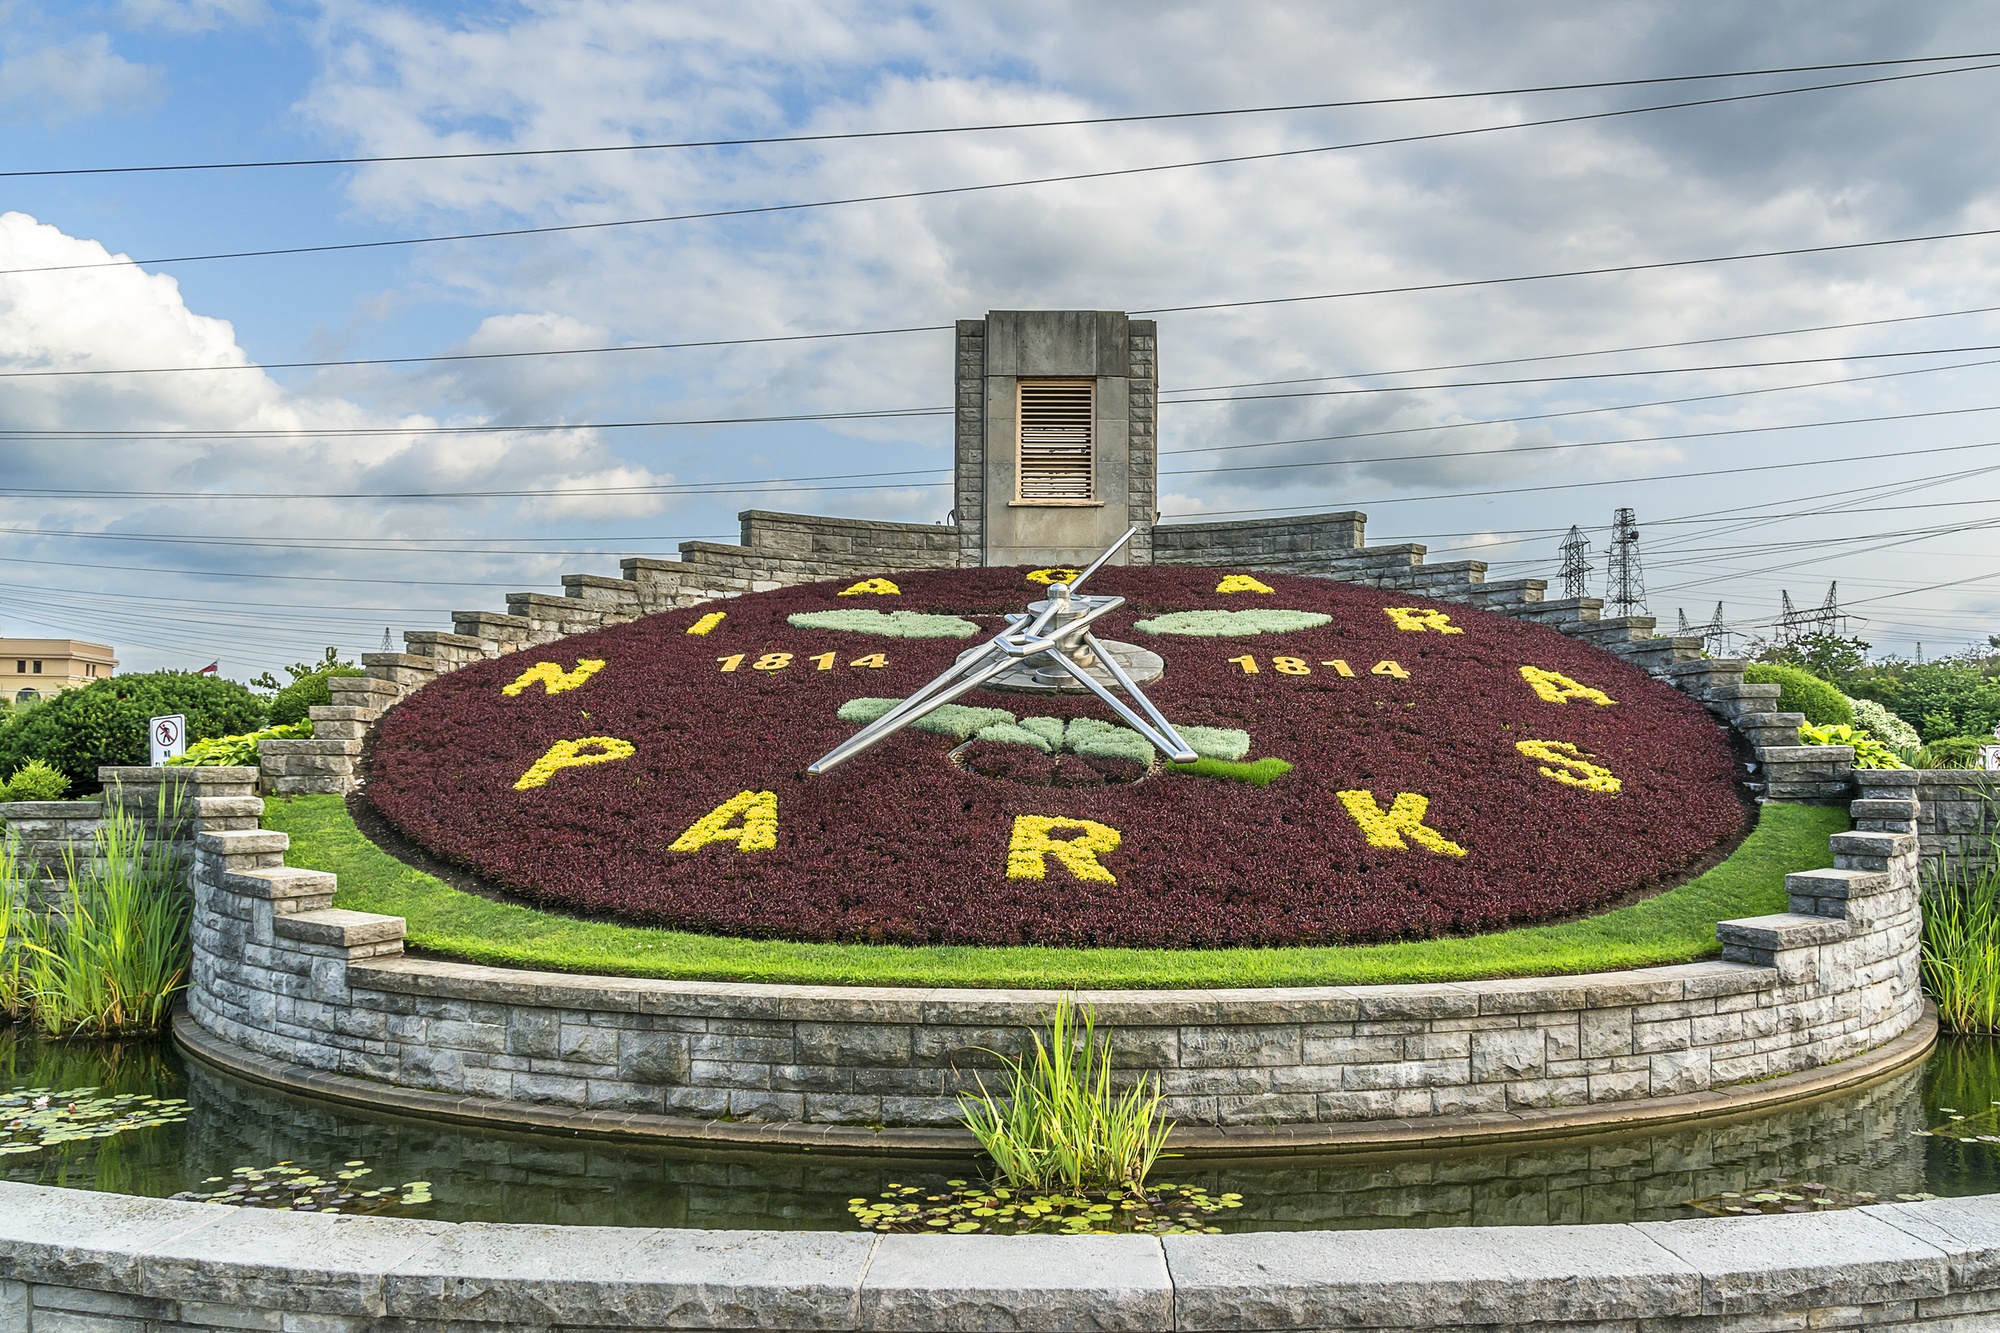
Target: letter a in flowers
573	754
1405	819
553	678
1420	618
880	587
1031	846
757	833
1559	689
1572	768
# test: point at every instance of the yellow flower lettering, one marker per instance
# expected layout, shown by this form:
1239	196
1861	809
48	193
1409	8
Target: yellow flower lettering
553	678
1031	846
757	833
573	754
707	622
1559	689
1056	575
1420	618
1571	768
1405	819
1241	583
880	587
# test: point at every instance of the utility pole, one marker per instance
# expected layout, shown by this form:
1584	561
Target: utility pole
1575	568
1624	580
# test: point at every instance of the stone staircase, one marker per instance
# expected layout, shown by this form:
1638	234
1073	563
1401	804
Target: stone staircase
779	550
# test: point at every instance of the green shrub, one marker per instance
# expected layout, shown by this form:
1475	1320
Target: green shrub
104	722
1951	697
1884	725
238	751
34	781
1802	692
1947	752
289	705
1868	752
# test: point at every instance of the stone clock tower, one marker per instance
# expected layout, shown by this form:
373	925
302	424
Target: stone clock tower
1056	449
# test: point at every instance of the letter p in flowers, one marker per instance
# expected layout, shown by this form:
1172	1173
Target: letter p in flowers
573	754
1031	846
1405	819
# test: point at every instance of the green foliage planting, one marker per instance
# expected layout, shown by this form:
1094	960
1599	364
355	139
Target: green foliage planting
238	751
1868	752
1061	1125
1961	963
1802	692
1946	697
1223	624
1884	725
963	1208
1082	735
111	961
104	722
1828	656
34	781
1261	773
893	624
1947	752
13	915
1673	927
307	687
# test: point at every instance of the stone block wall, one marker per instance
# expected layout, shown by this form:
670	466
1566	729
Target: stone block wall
279	973
1958	809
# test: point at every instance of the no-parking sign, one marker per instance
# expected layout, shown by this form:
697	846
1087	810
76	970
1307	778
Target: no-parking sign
168	736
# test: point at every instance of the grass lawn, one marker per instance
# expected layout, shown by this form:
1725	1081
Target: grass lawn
1674	927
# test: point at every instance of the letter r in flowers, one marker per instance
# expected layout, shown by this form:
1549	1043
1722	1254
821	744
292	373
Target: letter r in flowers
1420	618
573	754
1031	846
1404	819
757	833
1572	766
1560	689
553	679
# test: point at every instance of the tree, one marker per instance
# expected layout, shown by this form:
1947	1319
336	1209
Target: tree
1828	656
104	722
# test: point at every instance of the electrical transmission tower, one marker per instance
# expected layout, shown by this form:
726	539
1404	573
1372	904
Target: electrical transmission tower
387	646
1828	619
1575	568
1789	619
1624	580
1715	636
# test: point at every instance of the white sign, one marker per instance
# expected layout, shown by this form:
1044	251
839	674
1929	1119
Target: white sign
168	736
1989	758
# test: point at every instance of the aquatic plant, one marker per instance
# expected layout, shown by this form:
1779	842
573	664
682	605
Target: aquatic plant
1961	910
1786	1196
1062	1127
32	1119
962	1207
288	1187
110	961
13	914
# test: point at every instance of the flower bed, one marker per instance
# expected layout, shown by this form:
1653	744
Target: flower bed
1413	808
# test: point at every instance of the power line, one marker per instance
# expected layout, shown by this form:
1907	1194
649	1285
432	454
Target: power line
764	140
991	186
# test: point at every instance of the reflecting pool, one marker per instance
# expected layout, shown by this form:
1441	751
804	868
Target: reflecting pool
1924	1131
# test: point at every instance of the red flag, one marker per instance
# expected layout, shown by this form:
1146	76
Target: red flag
211	669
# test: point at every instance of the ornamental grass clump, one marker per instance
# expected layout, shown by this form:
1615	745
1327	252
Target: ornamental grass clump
1062	1126
1961	909
111	959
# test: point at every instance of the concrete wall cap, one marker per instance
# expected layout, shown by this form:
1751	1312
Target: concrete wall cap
340	928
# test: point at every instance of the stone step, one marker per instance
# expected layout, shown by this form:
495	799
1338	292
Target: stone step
1778	932
1870	851
1504	595
362	691
1561	610
340	929
623	594
1832	888
1602	630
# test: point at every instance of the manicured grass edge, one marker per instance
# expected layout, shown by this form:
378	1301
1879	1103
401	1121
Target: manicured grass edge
1673	927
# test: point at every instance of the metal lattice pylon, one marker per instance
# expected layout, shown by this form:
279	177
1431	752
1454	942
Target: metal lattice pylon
1624	580
1715	636
1575	568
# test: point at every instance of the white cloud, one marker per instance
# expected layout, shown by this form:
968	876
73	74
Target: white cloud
185	16
76	78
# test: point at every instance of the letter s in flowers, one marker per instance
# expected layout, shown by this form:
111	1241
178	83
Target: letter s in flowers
1404	819
1572	768
1559	689
757	833
553	679
1030	847
573	754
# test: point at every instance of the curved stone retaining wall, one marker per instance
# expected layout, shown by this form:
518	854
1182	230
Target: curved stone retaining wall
71	1260
279	972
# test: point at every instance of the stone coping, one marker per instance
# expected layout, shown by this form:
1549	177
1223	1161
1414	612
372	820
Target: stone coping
75	1259
1226	1140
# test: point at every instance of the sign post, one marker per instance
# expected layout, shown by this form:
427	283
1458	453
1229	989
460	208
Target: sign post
168	736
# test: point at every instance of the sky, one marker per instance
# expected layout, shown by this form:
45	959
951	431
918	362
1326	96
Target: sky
1777	424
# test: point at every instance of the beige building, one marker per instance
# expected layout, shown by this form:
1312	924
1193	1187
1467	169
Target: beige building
34	669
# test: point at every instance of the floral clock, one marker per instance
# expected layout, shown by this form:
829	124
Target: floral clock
1371	766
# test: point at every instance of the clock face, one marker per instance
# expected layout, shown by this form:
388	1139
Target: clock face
1375	766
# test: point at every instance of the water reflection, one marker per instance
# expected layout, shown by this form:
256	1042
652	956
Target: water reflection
1859	1141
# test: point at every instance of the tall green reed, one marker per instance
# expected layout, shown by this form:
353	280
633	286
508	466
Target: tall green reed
1062	1125
110	961
13	914
1961	963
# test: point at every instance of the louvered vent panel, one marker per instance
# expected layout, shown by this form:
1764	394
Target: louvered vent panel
1056	439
